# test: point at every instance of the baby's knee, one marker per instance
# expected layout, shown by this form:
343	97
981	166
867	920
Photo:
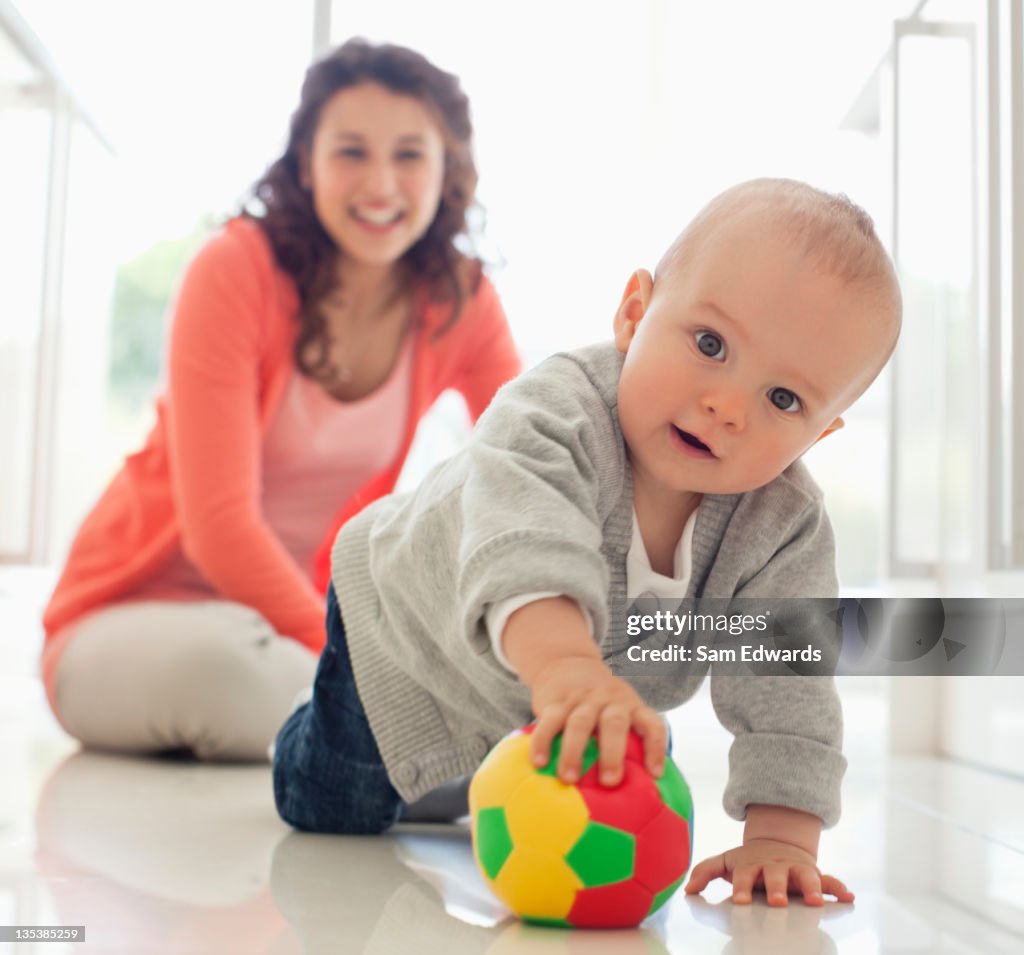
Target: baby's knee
302	804
313	797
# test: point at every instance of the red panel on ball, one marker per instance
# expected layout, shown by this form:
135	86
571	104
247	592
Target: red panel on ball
621	905
662	851
630	805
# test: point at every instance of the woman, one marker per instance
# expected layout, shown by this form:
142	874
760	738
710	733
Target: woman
309	336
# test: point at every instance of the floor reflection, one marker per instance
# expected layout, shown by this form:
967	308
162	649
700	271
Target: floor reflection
757	928
414	891
156	855
162	856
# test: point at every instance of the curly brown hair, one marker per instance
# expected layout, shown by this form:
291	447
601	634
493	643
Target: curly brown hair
285	210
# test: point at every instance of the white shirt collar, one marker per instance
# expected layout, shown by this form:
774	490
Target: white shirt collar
643	580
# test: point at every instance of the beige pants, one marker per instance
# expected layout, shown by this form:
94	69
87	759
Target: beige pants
211	677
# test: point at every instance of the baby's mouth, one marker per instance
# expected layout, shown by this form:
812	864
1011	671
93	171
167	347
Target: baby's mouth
693	441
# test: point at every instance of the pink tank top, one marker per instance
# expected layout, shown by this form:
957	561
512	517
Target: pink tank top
317	453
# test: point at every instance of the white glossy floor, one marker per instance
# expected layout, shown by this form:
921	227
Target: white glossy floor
174	857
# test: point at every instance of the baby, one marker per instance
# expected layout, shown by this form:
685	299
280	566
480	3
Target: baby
665	463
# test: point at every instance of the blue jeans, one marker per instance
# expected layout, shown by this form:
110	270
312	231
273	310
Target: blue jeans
328	772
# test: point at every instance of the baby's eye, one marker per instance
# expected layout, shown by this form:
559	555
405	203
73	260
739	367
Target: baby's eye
409	155
711	345
351	152
784	400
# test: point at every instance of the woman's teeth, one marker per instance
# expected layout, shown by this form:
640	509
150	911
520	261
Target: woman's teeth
378	216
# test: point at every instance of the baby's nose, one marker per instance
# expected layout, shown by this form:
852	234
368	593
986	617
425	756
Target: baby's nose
728	407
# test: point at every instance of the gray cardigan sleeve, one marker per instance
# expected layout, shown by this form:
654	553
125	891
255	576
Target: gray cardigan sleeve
531	501
788	729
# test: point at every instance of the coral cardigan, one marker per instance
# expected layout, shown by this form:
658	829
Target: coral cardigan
196	481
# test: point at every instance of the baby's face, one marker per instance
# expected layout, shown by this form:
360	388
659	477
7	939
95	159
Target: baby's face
738	361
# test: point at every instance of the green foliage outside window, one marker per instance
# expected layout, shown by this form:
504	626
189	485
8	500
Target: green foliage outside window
143	290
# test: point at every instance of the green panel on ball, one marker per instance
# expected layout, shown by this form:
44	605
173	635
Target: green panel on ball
602	855
664	895
674	791
548	923
493	843
589	757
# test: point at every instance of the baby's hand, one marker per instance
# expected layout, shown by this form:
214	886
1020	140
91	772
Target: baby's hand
777	867
576	696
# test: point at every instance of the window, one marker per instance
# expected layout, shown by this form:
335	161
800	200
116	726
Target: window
184	106
49	179
957	122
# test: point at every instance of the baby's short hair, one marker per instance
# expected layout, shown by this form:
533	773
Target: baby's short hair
835	233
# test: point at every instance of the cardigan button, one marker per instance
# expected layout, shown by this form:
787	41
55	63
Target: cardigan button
407	774
480	747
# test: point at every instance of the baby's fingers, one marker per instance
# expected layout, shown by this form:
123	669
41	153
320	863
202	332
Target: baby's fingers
549	724
833	886
651	727
808	879
704	873
613	728
743	879
579	727
776	884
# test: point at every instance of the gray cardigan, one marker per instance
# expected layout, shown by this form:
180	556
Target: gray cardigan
541	499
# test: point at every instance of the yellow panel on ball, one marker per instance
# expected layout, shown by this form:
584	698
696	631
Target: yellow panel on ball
537	884
546	814
507	765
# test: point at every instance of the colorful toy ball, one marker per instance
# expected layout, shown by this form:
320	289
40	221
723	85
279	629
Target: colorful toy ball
582	855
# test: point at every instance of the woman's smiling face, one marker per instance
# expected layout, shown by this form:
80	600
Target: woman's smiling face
375	170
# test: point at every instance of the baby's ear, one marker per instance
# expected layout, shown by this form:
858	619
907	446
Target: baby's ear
835	426
632	308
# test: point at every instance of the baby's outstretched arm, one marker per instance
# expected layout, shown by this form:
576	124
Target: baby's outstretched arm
779	854
574	692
